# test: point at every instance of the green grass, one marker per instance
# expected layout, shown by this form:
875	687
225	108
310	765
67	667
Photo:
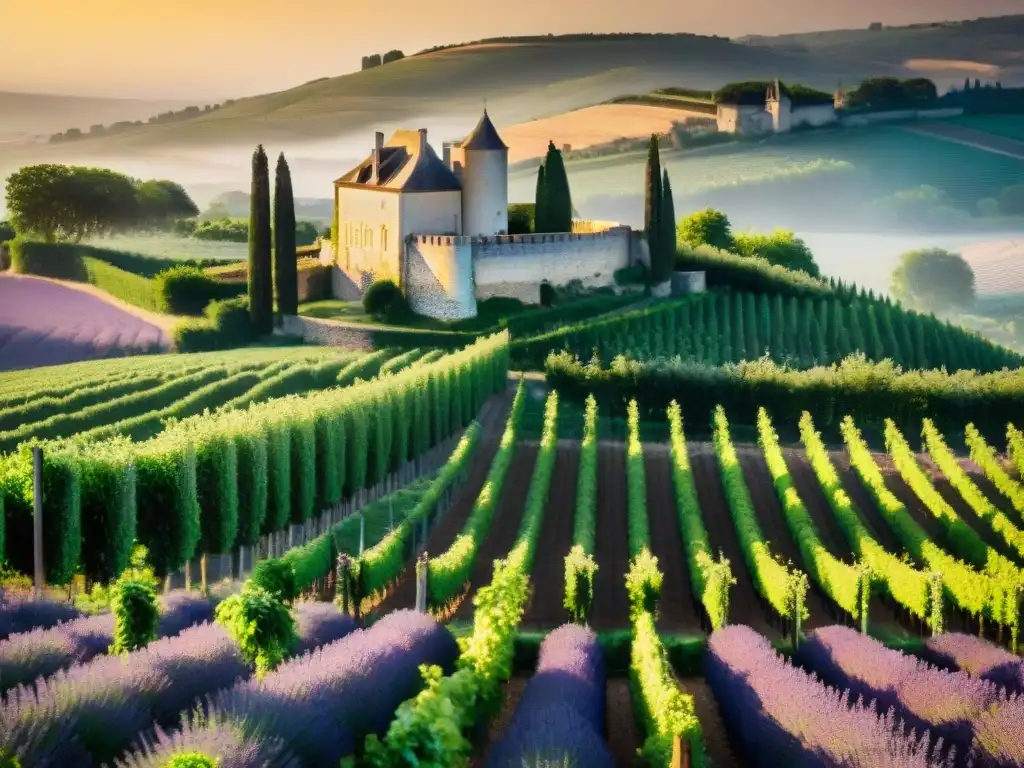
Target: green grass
1007	126
881	160
166	246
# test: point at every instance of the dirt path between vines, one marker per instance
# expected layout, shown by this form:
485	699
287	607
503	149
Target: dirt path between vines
546	610
769	513
611	546
492	420
745	604
678	610
505	526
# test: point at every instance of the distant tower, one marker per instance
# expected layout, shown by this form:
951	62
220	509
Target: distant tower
484	181
779	106
839	98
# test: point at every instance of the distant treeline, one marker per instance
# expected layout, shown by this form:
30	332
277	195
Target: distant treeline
72	134
376	60
579	37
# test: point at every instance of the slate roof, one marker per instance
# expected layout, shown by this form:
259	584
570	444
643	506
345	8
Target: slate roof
484	136
404	169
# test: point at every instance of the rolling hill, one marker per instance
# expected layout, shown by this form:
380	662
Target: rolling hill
985	48
520	80
24	116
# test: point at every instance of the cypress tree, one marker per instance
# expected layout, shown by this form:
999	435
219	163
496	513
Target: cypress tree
818	351
778	328
857	342
540	208
261	296
739	337
713	347
889	340
697	333
838	341
750	327
558	200
652	208
725	318
791	333
667	241
920	347
907	350
806	319
286	275
876	351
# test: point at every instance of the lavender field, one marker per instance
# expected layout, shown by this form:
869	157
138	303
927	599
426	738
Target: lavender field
44	323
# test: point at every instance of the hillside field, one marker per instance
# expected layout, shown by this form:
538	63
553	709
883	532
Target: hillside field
794	180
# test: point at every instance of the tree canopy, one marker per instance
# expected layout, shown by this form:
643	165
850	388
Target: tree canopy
932	278
781	247
70	203
553	202
707	227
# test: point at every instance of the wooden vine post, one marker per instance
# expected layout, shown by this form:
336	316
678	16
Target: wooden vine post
680	752
421	582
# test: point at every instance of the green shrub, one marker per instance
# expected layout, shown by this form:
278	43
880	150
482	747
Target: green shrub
277	578
187	290
261	624
47	260
195	335
520	218
580	569
747	273
382	298
135	612
7	232
226	325
193	760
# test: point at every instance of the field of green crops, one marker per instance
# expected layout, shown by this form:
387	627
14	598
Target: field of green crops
883	159
135	396
166	246
1009	126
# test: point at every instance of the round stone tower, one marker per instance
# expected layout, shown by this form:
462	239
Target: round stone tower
484	181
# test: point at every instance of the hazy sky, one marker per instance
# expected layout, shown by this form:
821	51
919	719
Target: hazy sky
208	49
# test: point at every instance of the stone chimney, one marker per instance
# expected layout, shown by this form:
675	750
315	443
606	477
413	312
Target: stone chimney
378	144
423	141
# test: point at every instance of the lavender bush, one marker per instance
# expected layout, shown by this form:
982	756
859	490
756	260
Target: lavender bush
554	735
925	696
111	699
561	713
999	737
781	715
320	705
978	658
26	656
226	743
22	615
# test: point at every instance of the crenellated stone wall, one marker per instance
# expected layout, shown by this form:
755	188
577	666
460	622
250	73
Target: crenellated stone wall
437	276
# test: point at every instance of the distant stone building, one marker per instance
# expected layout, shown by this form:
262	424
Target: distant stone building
778	113
438	227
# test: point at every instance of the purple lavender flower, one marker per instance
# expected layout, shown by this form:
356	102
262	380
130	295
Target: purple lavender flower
783	716
112	699
999	737
323	703
553	734
560	716
978	658
19	614
925	696
27	656
225	742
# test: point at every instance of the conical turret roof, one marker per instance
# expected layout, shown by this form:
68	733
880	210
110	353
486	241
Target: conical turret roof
484	136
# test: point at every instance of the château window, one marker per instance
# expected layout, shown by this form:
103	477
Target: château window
368	237
359	238
383	237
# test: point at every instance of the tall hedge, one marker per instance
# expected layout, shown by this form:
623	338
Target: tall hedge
261	297
286	272
168	501
107	498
